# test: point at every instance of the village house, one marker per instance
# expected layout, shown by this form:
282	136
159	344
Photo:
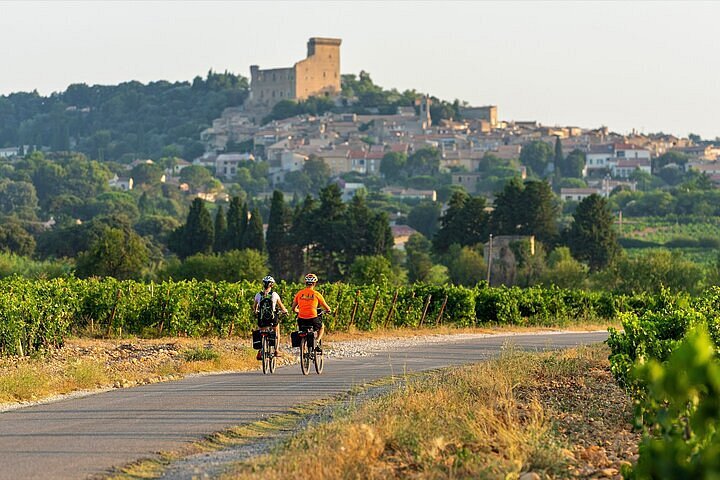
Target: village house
578	194
227	164
401	234
410	193
123	183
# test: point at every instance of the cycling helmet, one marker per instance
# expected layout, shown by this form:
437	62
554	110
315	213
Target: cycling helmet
268	279
311	278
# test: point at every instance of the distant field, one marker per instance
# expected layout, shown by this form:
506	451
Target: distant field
696	238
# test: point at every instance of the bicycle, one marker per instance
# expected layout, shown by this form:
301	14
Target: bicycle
268	349
265	340
308	350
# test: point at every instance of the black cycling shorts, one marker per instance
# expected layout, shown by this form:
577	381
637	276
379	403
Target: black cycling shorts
315	322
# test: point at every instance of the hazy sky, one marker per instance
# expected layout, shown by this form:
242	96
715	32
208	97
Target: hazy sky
648	66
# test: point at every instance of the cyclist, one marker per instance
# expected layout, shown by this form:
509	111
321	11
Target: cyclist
305	304
265	307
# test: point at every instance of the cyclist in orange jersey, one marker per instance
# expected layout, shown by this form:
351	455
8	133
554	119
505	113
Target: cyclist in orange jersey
306	303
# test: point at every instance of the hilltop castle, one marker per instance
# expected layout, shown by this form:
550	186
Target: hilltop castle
316	75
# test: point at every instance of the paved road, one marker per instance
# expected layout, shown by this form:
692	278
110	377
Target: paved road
76	438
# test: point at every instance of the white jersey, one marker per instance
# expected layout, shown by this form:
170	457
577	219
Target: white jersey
275	298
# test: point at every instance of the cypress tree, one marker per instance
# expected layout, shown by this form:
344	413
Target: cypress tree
254	237
328	230
278	235
198	231
302	236
235	225
559	160
220	230
243	222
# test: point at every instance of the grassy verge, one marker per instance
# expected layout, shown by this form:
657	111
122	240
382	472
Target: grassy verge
85	364
551	415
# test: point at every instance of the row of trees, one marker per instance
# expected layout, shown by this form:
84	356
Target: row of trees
235	231
325	235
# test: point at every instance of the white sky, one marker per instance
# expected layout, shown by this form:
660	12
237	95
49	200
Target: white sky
645	65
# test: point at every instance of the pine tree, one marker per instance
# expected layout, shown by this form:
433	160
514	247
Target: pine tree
507	217
591	237
465	222
220	230
279	243
540	211
367	233
449	232
253	236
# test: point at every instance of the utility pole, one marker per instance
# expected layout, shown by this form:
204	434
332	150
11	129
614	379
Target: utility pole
490	257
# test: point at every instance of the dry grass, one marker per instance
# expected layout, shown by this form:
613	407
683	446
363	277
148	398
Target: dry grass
468	422
85	364
496	419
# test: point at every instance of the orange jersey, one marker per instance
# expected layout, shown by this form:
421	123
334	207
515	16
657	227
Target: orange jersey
307	301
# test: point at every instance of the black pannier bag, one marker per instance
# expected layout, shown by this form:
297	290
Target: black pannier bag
257	339
295	339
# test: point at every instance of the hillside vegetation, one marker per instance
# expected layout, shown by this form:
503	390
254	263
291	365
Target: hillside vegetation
129	120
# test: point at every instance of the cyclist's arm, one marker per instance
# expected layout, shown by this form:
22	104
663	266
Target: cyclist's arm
323	303
282	307
294	306
256	304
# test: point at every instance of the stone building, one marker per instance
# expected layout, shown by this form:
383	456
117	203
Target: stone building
316	75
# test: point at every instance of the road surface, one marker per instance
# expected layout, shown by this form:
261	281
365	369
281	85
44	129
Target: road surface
77	438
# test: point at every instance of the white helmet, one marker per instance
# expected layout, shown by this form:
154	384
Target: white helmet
268	279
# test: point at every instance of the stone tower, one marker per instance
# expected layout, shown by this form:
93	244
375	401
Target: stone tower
316	75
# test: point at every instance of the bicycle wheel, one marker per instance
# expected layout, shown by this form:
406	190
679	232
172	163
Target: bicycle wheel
273	358
319	362
304	356
265	354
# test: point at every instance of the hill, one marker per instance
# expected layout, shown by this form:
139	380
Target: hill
121	122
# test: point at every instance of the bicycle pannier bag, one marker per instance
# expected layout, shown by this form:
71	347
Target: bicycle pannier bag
256	339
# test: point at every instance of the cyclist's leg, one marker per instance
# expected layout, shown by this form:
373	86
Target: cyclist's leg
277	339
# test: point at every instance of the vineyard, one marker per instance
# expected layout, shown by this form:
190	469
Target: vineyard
695	237
40	314
666	359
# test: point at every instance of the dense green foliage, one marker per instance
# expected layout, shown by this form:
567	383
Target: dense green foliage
667	359
38	314
680	411
121	121
591	236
